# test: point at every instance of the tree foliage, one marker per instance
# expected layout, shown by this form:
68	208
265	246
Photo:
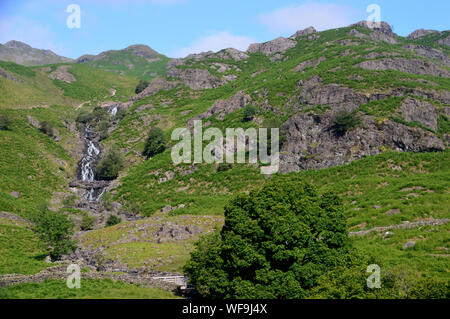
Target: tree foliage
276	243
110	166
56	230
141	86
5	122
46	128
249	113
113	220
156	142
344	122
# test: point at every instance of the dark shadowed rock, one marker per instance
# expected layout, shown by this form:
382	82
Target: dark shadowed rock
311	144
154	87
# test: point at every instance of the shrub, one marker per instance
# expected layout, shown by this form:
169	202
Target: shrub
223	167
103	129
109	167
69	201
249	113
276	243
46	128
344	122
141	86
84	116
156	142
113	220
120	114
5	122
56	230
107	201
87	222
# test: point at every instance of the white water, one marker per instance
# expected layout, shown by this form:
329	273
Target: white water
113	109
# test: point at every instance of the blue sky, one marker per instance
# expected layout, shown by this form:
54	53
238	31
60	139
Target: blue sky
179	27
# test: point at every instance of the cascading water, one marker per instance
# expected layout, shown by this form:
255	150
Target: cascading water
91	156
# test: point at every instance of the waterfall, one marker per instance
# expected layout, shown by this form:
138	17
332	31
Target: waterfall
113	109
87	172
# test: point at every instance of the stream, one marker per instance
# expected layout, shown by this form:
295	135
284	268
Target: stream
90	158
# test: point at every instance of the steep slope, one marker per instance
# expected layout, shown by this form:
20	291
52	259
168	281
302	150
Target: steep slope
21	53
62	84
137	60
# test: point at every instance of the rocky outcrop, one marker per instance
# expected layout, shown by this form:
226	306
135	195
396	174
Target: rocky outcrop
445	41
62	74
268	48
154	87
5	74
198	79
381	31
339	98
233	54
221	108
311	143
429	53
417	34
414	110
404	65
309	63
302	33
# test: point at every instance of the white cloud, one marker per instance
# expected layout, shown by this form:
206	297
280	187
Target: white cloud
322	16
215	42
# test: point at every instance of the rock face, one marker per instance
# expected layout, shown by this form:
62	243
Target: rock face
198	79
301	33
232	53
278	45
62	74
429	53
414	110
223	107
155	86
339	98
445	41
404	65
5	74
311	144
380	31
21	53
417	34
309	63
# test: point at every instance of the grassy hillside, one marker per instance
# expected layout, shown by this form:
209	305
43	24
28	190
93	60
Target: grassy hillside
125	63
31	86
91	289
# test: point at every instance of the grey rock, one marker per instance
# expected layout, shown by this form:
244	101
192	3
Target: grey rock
154	87
268	48
309	63
445	41
417	34
62	74
409	245
311	144
33	122
7	75
197	79
429	53
404	65
221	108
301	33
15	194
233	54
414	110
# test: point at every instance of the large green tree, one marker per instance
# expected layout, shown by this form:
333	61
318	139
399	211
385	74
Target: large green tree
276	243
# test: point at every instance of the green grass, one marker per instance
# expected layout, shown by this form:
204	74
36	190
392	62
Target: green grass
125	63
90	289
21	252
